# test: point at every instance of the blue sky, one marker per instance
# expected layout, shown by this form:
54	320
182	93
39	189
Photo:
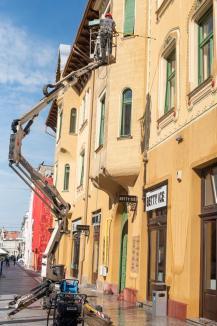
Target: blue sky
30	34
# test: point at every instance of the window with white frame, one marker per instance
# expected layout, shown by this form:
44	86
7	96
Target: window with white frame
168	82
205	46
84	107
126	108
59	122
73	120
66	177
81	174
100	120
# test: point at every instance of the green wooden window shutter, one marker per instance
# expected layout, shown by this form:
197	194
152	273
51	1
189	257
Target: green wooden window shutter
205	46
129	18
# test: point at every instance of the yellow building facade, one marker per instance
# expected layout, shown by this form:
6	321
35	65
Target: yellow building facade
136	156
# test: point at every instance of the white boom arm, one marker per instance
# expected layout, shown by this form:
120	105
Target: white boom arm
35	180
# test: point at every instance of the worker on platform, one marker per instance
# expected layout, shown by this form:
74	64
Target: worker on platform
107	28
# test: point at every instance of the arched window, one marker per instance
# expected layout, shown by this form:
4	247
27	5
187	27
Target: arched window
126	113
73	118
66	177
129	17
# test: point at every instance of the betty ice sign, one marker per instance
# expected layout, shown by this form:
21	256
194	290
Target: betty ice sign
156	198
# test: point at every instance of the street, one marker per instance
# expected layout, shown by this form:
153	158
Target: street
15	280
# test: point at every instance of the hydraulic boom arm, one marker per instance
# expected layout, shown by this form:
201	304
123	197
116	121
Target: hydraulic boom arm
21	128
35	180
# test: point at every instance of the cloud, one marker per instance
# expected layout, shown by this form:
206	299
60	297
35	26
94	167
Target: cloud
24	59
26	64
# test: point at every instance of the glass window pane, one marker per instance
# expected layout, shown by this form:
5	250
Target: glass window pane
73	117
127	95
161	255
172	92
206	61
127	119
210	255
66	177
209	196
153	254
126	113
102	121
207	26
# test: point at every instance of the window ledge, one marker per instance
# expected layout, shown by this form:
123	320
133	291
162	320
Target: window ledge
161	9
127	37
73	134
124	137
201	91
84	123
65	190
98	148
166	118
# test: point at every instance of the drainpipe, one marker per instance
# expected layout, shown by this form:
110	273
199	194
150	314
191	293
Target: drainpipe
86	198
149	38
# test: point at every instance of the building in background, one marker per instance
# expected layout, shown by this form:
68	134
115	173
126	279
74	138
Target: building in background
42	221
11	241
26	230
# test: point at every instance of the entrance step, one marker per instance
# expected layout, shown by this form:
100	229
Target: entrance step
201	321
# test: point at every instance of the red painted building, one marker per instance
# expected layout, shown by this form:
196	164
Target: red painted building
42	222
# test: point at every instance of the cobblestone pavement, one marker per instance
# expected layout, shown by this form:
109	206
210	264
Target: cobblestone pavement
16	281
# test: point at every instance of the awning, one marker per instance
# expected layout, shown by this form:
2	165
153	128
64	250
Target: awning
3	252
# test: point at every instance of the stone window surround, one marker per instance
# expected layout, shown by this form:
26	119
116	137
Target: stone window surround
161	6
98	117
171	43
81	154
198	91
84	110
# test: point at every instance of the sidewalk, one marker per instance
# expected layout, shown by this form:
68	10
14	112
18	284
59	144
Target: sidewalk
16	280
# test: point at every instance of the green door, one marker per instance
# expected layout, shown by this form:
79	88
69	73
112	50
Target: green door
123	262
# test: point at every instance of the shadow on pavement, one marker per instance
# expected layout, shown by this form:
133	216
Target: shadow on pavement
21	321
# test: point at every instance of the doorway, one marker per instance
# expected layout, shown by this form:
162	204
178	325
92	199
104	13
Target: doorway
123	257
208	244
157	227
209	295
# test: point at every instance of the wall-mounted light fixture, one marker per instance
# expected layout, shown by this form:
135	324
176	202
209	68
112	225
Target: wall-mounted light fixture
179	139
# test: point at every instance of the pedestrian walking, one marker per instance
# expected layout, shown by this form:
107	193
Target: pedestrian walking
1	266
14	260
7	262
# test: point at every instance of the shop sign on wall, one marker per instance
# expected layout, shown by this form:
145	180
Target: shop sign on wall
127	199
156	198
135	255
